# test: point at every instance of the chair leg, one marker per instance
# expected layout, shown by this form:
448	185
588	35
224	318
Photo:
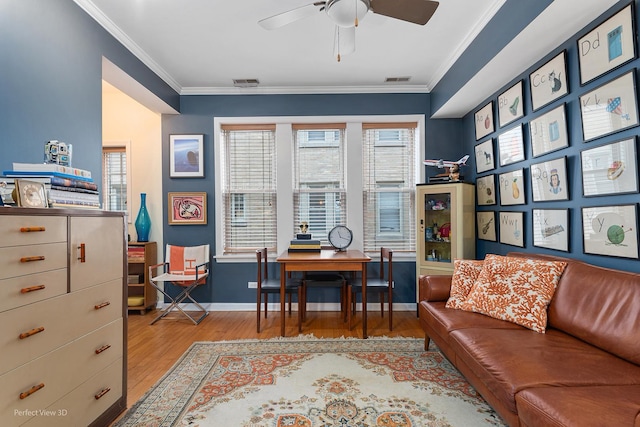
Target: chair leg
381	303
266	303
300	308
290	296
258	310
350	297
390	308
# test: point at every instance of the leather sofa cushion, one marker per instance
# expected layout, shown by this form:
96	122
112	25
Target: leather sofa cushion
510	360
444	320
579	406
598	305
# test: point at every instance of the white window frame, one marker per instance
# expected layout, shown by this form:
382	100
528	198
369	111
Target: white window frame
127	147
284	144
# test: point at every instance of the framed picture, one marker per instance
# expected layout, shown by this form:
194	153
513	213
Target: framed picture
511	228
549	82
486	225
607	46
611	230
186	159
610	108
187	208
549	131
512	188
610	169
510	105
484	156
484	121
549	180
551	228
486	190
511	146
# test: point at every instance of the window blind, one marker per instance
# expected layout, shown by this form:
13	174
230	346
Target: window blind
114	179
249	188
389	186
319	194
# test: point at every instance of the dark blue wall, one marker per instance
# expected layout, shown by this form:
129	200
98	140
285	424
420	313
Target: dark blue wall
50	81
443	139
576	145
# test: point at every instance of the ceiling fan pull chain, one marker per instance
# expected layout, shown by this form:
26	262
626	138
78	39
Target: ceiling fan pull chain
355	3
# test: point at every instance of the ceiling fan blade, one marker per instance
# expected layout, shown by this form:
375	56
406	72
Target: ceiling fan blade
415	11
284	18
344	41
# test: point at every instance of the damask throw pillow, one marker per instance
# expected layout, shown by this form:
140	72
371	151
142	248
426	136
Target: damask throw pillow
515	289
465	273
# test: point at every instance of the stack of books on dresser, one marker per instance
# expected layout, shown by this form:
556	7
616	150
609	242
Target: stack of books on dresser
304	243
67	187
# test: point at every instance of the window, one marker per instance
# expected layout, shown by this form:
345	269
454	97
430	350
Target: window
114	166
319	195
272	173
389	180
249	188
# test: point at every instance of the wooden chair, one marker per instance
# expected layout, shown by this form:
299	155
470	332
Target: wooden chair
381	284
268	286
186	268
326	280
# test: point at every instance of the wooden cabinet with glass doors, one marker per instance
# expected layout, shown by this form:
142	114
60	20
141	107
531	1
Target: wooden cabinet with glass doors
446	230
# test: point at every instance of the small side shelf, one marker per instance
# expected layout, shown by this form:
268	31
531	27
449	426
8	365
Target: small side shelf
140	256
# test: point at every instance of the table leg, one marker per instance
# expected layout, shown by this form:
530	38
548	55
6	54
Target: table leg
282	296
364	300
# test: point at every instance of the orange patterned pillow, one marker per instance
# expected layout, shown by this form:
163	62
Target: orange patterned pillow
515	289
465	273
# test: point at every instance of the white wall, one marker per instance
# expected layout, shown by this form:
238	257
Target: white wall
124	120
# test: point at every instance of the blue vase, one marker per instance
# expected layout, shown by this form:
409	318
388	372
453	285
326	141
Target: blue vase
143	220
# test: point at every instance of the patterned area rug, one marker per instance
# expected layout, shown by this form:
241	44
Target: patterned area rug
311	382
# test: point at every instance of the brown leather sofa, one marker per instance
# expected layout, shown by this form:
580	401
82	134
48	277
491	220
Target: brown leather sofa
584	371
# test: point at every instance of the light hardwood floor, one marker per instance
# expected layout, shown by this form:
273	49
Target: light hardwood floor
153	349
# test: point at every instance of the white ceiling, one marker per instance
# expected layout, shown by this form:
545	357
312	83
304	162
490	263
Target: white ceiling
200	46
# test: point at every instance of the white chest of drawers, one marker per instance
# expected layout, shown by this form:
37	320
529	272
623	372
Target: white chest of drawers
62	317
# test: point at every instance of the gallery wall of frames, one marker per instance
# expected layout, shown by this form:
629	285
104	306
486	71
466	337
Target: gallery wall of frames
556	158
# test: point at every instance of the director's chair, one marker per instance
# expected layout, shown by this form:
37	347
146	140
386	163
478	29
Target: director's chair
185	268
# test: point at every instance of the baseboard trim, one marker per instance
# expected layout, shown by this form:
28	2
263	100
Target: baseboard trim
214	306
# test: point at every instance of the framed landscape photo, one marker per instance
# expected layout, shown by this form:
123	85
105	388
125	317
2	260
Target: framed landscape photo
549	131
611	230
512	188
610	108
549	82
484	121
188	208
486	225
185	156
549	180
485	160
486	190
608	46
511	228
510	105
551	228
511	146
610	169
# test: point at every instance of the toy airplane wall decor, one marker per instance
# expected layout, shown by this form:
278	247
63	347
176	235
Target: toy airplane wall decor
446	163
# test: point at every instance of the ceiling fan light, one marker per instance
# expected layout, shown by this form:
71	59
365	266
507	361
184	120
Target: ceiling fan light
346	13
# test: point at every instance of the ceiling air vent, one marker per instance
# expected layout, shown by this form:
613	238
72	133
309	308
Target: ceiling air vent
397	79
245	82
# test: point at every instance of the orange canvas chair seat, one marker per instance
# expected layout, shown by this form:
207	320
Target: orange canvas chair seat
185	267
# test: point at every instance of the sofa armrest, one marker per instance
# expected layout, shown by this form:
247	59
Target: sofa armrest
434	287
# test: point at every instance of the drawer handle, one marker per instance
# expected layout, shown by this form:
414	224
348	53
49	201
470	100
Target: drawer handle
32	258
32	390
102	393
31	229
82	253
31	332
103	348
102	305
31	289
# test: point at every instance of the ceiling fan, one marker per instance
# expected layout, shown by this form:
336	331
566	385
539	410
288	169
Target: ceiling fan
348	13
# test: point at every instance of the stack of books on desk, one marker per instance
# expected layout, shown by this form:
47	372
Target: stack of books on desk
67	187
304	245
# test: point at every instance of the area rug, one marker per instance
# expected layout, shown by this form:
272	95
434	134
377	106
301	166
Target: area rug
312	382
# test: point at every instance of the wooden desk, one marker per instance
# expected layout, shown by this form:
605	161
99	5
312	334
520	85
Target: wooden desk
325	260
